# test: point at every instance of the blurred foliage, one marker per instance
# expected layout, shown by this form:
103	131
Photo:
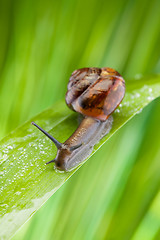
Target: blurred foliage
115	195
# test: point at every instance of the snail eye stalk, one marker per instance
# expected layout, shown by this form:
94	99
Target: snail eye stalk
75	147
58	144
51	161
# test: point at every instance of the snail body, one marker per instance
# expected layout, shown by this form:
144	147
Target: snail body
95	93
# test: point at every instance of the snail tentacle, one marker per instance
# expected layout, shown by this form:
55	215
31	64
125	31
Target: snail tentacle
58	144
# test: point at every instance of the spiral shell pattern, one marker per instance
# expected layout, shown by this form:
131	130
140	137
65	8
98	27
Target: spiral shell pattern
95	92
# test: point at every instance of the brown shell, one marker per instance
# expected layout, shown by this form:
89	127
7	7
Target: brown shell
95	92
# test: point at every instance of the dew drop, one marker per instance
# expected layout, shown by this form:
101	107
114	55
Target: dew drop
42	152
137	95
10	147
4	157
4	205
1	173
117	110
150	98
139	111
18	193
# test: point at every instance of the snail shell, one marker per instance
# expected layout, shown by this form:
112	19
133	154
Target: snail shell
95	92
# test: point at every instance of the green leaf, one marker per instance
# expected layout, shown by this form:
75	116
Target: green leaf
26	182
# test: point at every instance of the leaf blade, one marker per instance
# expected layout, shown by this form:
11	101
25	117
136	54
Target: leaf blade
26	181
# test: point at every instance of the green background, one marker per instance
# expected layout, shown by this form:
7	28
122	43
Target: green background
115	195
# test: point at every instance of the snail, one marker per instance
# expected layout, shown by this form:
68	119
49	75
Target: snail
95	93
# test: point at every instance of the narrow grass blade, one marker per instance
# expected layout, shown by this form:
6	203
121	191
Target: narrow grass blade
26	182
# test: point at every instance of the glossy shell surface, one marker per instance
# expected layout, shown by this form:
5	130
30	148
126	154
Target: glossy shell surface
95	92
